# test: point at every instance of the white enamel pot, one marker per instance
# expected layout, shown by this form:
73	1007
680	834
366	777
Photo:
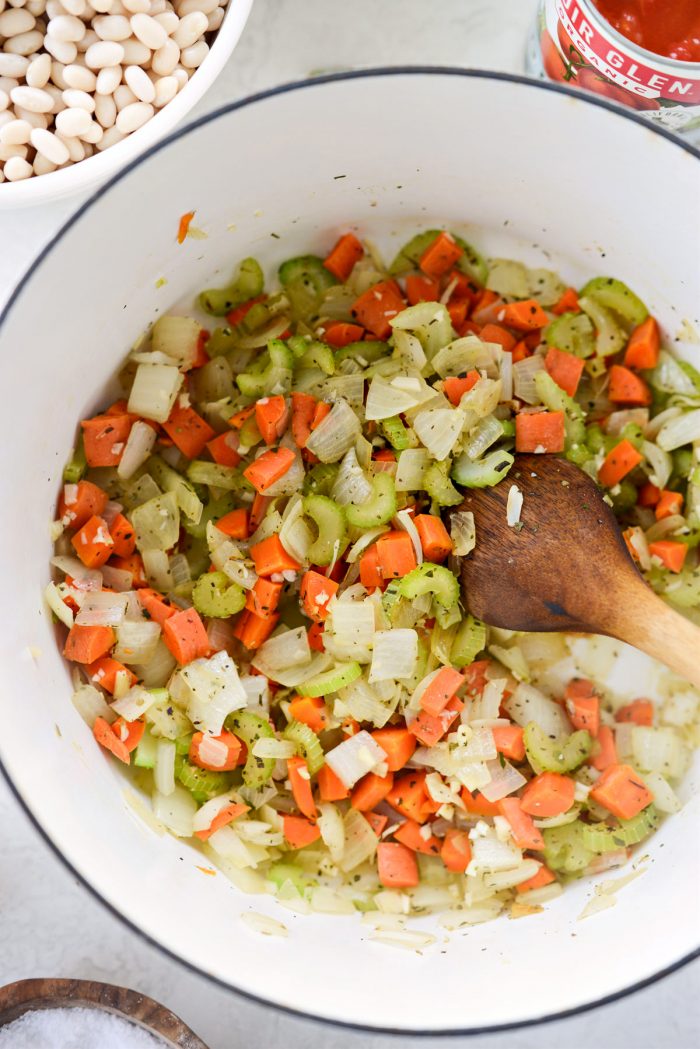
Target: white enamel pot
522	169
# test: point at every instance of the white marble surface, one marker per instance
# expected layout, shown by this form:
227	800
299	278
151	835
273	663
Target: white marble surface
50	925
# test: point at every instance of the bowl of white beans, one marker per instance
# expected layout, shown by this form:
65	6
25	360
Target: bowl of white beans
87	85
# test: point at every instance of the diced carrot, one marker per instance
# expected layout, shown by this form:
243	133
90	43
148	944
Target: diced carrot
626	387
185	636
398	744
458	312
311	711
370	572
376	821
252	631
638	712
183	226
396	555
384	455
565	369
521	351
224	449
495	333
315	593
371	790
539	432
342	334
643	346
672	554
103	672
620	461
476	677
222	819
429	728
478	805
93	544
434	537
456	388
456	851
510	741
583	705
79	502
258	510
440	256
421	289
396	865
669	504
315	636
483	301
548	794
270	557
543	877
188	431
606	752
102	731
441	689
525	834
648	495
220	753
130	733
409	834
409	796
299	832
567	303
527	315
321	410
377	306
239	420
123	536
133	564
235	524
155	606
272	417
330	787
268	468
347	251
300	782
462	286
263	598
622	791
239	314
104	437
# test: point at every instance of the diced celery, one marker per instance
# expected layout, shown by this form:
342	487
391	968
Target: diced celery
610	338
229	478
271	374
145	753
171	481
76	466
364	352
157	523
482	473
251	727
408	258
201	783
557	400
437	484
600	838
613	295
431	579
556	755
305	281
565	849
572	332
221	341
396	433
471	262
378	509
317	355
339	676
247	284
215	596
308	743
469	641
320	479
329	519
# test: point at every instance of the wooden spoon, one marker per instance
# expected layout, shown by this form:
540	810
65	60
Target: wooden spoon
566	566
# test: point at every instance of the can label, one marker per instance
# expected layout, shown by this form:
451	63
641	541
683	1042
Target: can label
580	48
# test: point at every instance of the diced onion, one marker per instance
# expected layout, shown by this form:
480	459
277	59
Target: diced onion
514	505
285	650
136	641
439	429
350	628
504	780
215	691
524	373
205	816
138	447
410	469
91	704
117	578
177	338
490	854
134	703
102	609
354	758
529	704
274	748
154	391
336	434
351	485
360	839
394	656
57	605
164	767
176	810
404	520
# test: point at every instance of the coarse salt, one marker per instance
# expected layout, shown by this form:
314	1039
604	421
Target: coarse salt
77	1028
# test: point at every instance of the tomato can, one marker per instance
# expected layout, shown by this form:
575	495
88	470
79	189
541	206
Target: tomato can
574	44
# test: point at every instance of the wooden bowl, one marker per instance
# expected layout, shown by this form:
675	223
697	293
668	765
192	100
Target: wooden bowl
28	995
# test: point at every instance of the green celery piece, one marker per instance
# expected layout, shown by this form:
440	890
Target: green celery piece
379	508
469	641
317	355
157	523
182	744
145	754
565	849
230	478
396	433
408	258
438	485
391	599
171	481
279	873
339	676
201	783
600	838
247	284
251	727
305	281
215	596
308	744
329	519
610	337
556	755
75	468
557	400
320	479
573	333
431	579
213	510
613	295
271	374
471	262
482	473
221	341
369	352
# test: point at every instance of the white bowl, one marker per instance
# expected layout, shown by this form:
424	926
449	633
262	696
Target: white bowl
90	173
521	168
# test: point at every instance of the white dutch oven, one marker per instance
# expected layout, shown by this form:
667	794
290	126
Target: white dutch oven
518	167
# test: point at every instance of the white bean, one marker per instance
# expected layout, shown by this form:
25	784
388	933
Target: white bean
136	53
79	100
25	43
15	133
8	151
67	27
105	110
140	83
75	148
4	101
191	28
147	30
7	83
137	7
166	58
124	97
88	40
158	7
16	169
16	3
185	7
39	71
108	80
192	57
215	19
46	143
16	21
112	27
168	20
74	7
133	117
104	54
35	7
42	165
79	77
93	134
35	99
103	6
110	138
166	88
62	50
181	75
13	65
35	119
73	122
6	117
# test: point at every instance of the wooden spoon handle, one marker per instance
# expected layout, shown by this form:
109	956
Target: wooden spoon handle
647	622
